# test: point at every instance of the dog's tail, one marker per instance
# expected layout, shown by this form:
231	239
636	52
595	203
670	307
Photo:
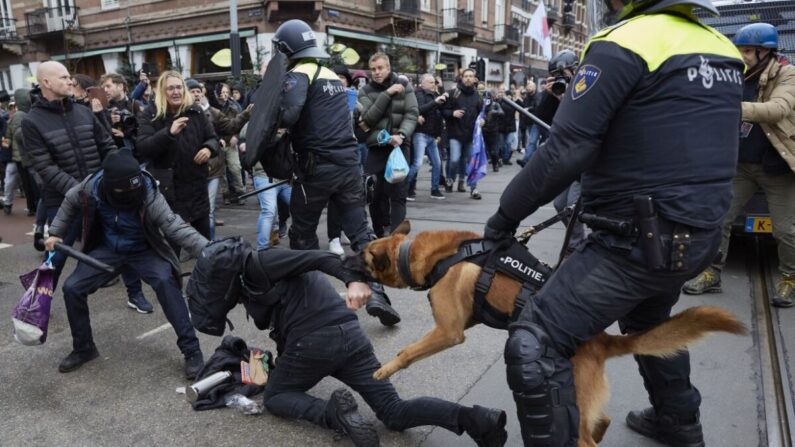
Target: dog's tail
673	335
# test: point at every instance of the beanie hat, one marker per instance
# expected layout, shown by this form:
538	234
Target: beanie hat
192	84
121	171
341	70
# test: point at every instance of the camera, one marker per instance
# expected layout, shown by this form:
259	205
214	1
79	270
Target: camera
559	85
127	121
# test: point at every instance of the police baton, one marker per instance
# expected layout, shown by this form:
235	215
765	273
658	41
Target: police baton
82	257
524	112
257	191
524	238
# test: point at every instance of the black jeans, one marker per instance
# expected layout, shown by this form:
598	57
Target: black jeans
345	353
389	204
340	185
153	269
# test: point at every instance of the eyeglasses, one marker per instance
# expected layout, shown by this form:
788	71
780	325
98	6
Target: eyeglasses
174	88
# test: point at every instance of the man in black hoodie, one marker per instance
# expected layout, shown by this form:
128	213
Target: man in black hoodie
461	113
318	335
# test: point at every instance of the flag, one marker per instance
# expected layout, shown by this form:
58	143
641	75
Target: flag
478	162
538	30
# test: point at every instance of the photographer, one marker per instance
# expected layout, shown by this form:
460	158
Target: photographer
121	111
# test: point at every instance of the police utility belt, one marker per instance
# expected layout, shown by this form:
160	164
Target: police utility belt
647	228
513	260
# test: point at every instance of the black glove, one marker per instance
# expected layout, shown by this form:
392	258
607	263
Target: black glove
499	227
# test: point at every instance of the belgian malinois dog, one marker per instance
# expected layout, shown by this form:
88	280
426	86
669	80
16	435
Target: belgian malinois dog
452	300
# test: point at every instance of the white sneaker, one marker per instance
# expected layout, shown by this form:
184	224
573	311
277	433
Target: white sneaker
335	247
344	239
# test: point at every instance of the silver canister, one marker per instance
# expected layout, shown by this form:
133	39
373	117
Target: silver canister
200	388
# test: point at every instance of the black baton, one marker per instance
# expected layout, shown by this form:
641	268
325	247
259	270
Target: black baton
257	191
524	112
82	257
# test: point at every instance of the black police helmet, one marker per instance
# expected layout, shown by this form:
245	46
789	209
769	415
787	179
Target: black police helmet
635	7
296	40
563	59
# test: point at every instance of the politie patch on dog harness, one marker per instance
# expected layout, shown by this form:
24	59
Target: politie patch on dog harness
586	77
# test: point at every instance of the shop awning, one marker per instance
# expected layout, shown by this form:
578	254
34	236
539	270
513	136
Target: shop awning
412	43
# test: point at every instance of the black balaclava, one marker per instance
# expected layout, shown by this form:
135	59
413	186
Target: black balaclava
122	182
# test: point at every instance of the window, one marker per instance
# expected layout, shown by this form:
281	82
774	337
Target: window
203	52
470	5
110	4
7	25
484	11
426	5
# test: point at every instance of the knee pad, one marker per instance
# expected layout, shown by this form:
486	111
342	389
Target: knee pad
543	387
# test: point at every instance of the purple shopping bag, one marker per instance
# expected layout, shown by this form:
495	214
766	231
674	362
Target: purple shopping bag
32	314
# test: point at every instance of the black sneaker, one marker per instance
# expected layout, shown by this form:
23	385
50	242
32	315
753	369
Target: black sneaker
412	196
380	307
521	162
486	426
140	304
76	359
448	185
436	194
507	163
669	430
342	415
194	362
7	209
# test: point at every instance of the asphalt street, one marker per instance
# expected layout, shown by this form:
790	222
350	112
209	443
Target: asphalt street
127	397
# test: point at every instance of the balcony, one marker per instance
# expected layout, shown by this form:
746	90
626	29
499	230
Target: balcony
506	37
458	24
8	30
282	10
524	4
402	17
47	22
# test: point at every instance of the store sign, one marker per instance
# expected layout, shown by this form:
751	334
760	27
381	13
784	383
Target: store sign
494	72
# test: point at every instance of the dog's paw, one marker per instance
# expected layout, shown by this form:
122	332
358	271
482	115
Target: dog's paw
382	373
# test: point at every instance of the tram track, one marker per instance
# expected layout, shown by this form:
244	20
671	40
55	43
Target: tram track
778	413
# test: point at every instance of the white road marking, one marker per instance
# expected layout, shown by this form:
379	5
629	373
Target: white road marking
4	245
153	331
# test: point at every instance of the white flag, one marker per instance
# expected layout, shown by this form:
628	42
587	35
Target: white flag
538	30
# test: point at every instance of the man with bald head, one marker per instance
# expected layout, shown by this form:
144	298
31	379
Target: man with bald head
66	143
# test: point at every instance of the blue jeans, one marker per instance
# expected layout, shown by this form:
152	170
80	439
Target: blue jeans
533	135
459	157
268	208
425	144
508	142
212	192
156	271
344	352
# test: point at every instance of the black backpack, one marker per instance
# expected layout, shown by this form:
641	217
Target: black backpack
215	284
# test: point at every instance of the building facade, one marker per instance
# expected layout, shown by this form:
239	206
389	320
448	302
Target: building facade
439	36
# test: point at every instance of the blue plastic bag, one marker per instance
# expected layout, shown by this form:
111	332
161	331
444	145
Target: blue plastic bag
397	168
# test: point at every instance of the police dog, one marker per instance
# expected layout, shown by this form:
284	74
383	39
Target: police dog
452	299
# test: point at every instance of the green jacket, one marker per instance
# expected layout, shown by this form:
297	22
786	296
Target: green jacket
14	131
378	106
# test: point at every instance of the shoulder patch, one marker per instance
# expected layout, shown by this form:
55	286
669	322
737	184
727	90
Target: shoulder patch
586	77
289	83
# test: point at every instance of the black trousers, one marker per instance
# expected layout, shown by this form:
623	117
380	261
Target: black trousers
388	208
30	187
345	353
153	269
340	185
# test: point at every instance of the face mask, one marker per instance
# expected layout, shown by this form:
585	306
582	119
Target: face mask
124	200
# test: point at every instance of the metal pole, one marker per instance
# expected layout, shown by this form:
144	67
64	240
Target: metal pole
234	39
257	191
524	112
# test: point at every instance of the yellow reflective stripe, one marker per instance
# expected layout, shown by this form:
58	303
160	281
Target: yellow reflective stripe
309	71
658	37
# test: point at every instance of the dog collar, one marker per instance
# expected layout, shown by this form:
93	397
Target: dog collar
404	269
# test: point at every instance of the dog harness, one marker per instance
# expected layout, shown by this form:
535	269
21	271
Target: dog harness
513	260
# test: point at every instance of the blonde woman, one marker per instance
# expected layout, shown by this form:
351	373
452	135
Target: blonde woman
176	140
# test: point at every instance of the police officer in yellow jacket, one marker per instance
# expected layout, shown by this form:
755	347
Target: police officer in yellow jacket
650	123
315	107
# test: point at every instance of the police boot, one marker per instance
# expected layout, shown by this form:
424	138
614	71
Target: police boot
486	426
785	292
379	306
671	430
342	415
707	281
